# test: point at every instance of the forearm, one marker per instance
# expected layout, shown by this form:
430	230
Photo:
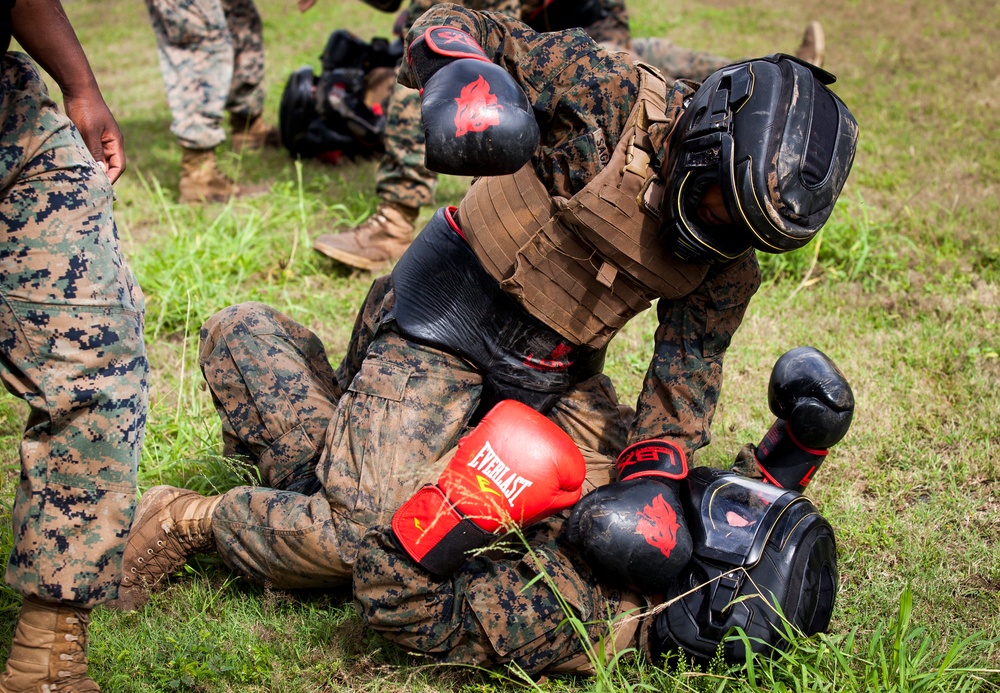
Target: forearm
684	378
679	395
44	31
493	33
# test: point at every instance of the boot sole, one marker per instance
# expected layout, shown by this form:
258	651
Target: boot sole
349	259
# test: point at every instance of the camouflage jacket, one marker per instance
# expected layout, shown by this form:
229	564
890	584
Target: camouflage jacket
582	96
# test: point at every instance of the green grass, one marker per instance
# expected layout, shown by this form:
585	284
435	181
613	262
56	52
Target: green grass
901	289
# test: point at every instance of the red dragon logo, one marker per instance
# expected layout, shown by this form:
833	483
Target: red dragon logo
658	526
477	108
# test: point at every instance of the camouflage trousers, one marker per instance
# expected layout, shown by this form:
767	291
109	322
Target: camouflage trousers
402	176
403	407
506	606
212	59
676	62
71	346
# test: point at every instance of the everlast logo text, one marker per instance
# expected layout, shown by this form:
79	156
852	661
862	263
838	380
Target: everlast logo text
510	483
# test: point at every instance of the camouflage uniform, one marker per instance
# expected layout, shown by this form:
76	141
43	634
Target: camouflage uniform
72	347
212	60
494	610
486	613
675	61
670	59
340	451
402	177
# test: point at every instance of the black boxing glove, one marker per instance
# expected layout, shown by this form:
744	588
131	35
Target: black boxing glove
477	119
633	532
814	405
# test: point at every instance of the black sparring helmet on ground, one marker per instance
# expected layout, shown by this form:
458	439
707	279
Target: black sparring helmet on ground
776	140
341	110
764	561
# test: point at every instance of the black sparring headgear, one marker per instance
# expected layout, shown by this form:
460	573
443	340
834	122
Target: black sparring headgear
327	114
755	546
776	140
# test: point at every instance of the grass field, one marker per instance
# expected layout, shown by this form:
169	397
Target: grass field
902	290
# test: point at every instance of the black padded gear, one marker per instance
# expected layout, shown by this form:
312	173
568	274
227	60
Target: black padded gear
755	546
776	140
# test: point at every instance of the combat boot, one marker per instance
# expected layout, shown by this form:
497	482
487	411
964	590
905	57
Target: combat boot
171	525
252	133
201	179
382	238
813	46
49	652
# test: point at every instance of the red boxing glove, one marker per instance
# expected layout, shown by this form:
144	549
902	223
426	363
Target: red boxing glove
515	467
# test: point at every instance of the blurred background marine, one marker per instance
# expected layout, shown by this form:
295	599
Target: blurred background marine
211	56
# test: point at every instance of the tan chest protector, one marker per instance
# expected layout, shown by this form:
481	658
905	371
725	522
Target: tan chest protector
585	266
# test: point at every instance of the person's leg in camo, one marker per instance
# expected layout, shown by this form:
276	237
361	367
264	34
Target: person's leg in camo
402	183
598	423
246	92
211	58
675	61
682	63
196	56
275	391
71	346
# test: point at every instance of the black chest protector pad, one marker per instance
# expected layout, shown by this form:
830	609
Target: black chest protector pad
446	299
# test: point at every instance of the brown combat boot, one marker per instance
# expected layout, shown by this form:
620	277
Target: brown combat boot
171	524
49	652
380	239
813	46
252	133
201	179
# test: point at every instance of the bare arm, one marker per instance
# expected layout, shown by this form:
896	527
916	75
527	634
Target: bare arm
44	31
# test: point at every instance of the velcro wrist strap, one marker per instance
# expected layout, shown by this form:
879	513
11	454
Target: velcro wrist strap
434	533
656	458
453	43
438	46
784	461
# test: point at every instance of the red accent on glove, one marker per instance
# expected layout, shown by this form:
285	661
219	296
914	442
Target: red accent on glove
655	458
453	43
515	467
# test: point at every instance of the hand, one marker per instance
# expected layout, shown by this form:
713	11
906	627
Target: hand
477	118
632	533
306	5
99	130
814	405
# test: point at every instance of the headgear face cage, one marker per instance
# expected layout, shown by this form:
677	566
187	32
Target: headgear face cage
777	142
758	549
